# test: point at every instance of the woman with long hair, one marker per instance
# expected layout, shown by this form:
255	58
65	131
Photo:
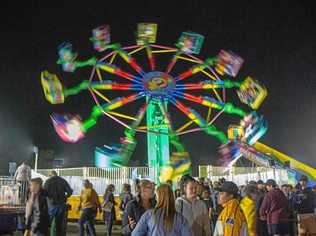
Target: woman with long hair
163	220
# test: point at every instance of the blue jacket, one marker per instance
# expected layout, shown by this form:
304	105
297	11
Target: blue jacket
151	223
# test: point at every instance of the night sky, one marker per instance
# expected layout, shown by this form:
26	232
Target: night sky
277	41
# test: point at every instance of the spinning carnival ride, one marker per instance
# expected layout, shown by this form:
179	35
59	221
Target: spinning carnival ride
136	73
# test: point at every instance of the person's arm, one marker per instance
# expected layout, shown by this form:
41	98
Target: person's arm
251	219
96	198
142	225
128	212
206	220
80	201
16	173
264	207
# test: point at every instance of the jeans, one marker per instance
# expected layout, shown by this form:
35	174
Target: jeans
109	225
58	216
87	217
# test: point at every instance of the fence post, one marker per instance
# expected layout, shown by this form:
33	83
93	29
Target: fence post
84	172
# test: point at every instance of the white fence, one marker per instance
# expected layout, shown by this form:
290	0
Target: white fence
100	178
242	175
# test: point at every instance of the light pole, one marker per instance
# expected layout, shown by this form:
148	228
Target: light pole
35	150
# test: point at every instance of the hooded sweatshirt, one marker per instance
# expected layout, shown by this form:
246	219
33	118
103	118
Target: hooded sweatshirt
196	214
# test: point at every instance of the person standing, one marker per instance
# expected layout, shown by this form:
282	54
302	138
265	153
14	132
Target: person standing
36	210
137	206
193	209
248	206
231	220
206	198
23	175
262	227
125	197
163	220
274	209
304	202
58	190
89	204
108	208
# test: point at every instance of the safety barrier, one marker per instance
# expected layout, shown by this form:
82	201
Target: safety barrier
99	177
242	175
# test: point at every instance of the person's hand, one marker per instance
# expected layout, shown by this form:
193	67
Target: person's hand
27	232
131	222
78	209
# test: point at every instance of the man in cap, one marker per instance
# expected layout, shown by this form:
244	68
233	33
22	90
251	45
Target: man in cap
274	209
231	221
305	205
58	191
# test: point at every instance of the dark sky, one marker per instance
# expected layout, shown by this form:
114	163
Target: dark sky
277	41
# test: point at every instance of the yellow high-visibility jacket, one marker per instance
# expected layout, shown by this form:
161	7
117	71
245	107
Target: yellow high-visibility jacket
231	221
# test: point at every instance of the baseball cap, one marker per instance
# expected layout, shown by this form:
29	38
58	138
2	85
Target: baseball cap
252	182
229	187
260	182
271	182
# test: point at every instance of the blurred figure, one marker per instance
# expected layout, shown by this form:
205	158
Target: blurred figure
169	181
89	204
305	204
58	190
108	208
231	221
248	206
193	209
36	210
125	197
262	227
206	198
217	208
177	193
23	175
274	208
200	186
137	207
163	220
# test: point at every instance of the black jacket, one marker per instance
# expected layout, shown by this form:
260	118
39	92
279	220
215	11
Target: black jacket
304	200
58	190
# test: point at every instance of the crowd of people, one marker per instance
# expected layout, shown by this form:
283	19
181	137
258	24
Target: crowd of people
190	207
